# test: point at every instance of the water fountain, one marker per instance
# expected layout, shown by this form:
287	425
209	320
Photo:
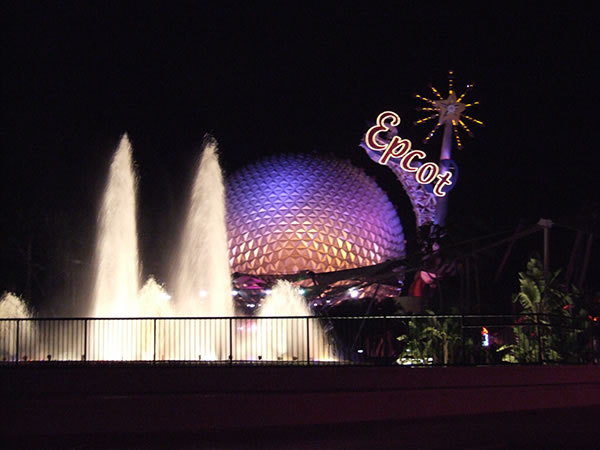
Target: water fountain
124	319
116	291
284	338
12	307
117	264
201	275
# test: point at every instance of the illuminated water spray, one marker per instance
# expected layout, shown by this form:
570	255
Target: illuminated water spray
285	299
202	290
13	307
117	265
201	276
284	338
117	290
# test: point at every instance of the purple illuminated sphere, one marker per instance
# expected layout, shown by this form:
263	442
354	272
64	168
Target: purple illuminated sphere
293	213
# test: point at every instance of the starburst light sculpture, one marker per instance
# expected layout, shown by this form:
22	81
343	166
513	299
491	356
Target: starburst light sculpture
449	111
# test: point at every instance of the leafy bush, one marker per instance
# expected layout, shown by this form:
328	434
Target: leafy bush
433	339
550	325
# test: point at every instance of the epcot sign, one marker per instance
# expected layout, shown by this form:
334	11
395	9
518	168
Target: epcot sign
398	148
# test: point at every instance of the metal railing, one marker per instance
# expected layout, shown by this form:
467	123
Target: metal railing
404	340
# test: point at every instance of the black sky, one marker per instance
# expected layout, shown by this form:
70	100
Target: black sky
272	77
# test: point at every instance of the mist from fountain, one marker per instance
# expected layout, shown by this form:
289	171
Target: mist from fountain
284	299
284	338
201	277
13	307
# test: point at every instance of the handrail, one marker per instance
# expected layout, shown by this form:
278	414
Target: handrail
381	339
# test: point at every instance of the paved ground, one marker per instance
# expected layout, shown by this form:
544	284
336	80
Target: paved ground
546	429
121	406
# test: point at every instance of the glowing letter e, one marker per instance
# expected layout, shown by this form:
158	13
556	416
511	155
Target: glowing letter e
371	137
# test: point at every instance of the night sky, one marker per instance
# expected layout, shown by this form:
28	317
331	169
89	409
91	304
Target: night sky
265	78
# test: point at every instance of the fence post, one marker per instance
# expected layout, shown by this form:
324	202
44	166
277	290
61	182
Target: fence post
540	354
85	338
17	349
307	340
385	336
154	340
462	338
231	341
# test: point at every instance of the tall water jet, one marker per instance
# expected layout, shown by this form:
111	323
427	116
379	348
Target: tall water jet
116	260
202	278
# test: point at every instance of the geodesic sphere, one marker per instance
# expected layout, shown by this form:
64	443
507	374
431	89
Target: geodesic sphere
298	212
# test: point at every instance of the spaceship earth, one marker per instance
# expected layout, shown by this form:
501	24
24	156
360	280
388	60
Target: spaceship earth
298	212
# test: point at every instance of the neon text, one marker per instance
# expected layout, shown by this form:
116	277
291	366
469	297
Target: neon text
401	149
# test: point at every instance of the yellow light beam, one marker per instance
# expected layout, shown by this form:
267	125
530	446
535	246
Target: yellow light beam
478	122
420	121
435	91
420	97
450	82
465	127
457	137
431	133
